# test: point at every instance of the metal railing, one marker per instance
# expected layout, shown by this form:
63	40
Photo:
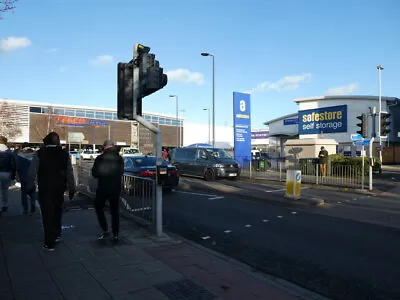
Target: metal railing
336	175
138	195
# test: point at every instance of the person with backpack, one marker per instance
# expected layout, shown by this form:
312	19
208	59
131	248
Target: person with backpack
53	169
7	172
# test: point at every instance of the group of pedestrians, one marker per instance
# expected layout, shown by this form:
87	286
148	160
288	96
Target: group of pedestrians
50	171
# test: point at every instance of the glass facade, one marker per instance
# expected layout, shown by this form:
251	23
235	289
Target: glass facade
102	115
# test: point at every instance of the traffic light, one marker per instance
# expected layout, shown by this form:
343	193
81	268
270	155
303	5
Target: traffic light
384	124
363	125
139	78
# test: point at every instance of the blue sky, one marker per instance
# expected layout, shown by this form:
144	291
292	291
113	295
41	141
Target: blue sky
67	51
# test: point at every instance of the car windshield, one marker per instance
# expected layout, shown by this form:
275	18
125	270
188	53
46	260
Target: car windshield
138	162
220	153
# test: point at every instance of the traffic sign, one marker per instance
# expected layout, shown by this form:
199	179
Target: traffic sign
356	137
361	143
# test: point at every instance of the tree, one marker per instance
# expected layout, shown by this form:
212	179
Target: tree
6	5
47	124
10	125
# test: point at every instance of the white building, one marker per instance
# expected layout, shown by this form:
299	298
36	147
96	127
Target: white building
333	117
202	133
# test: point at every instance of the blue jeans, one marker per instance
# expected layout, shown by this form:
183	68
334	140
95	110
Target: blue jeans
5	182
24	197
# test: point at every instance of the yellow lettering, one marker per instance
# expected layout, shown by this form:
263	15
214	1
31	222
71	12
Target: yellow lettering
317	117
339	114
304	118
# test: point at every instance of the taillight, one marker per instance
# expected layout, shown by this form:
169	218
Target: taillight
174	172
146	173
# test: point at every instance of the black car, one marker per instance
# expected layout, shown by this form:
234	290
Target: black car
145	167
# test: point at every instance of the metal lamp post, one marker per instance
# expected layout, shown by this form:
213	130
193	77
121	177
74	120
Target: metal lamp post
213	98
177	120
209	129
380	68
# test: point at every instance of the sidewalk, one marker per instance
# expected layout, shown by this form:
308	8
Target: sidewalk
139	267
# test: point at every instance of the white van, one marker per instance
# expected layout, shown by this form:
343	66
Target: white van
129	151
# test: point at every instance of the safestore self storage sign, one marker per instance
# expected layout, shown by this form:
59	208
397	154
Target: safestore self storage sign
331	119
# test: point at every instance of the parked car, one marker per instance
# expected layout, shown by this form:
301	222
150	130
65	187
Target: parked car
207	163
145	167
89	154
75	153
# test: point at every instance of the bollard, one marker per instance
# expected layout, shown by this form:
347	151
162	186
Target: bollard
293	184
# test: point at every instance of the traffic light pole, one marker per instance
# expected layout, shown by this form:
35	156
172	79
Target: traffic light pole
371	162
142	121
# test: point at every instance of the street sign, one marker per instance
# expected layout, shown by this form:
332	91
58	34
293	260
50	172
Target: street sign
356	137
75	137
361	143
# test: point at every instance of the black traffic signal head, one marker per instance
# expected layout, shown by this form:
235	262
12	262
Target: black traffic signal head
127	107
385	122
363	125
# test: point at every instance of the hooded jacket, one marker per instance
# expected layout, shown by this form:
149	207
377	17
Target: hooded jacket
7	161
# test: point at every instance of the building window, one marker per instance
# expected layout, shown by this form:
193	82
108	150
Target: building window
108	116
168	121
115	116
147	118
59	111
99	115
70	112
89	114
162	121
154	119
35	109
80	113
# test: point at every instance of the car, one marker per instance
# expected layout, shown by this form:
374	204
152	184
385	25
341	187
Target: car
75	153
145	167
89	154
205	162
129	151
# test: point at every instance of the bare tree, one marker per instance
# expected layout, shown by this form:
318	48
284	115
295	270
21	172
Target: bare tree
43	127
10	125
7	5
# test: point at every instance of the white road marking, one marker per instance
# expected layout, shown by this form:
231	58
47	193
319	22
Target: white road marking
91	208
273	191
197	194
294	212
265	220
227	231
215	198
205	237
280	217
339	202
248	225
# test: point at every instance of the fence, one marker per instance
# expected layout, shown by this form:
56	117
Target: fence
337	175
137	194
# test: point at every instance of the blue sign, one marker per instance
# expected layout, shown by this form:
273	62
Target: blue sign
259	134
356	137
331	119
97	122
242	128
291	121
361	143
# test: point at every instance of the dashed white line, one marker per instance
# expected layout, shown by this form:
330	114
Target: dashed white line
248	225
273	191
205	237
227	231
215	198
279	217
196	194
294	212
265	220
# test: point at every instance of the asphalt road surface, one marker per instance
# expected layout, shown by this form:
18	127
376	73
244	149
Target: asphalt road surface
327	250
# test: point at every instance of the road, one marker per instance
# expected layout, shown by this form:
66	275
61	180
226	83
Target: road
325	249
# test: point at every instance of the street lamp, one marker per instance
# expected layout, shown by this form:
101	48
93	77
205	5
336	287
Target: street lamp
380	68
213	98
177	120
207	109
181	128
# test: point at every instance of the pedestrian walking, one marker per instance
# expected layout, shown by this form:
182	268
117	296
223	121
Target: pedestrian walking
7	172
23	162
53	169
108	169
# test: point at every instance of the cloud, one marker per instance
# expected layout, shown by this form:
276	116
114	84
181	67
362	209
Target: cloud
52	50
13	43
342	90
287	83
185	76
101	60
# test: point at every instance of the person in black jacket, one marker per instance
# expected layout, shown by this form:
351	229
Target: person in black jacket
7	172
53	169
108	169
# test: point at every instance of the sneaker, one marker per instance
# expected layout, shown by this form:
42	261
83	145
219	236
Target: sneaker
103	235
58	239
47	248
116	239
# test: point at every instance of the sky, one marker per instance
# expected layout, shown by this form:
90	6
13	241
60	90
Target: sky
66	52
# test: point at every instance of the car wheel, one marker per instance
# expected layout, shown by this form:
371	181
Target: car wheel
209	175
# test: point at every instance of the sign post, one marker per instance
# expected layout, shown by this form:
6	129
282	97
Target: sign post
242	129
371	162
